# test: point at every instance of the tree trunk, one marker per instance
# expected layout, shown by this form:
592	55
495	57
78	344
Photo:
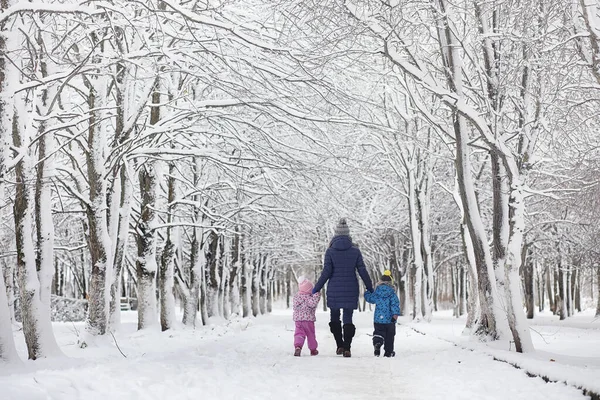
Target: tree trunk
263	284
190	311
120	247
423	200
236	256
577	288
455	295
568	290
416	245
516	318
223	269
528	281
572	279
500	226
146	266
463	291
598	289
203	289
122	176
100	248
212	277
8	351
9	283
197	259
43	211
34	295
246	288
541	285
256	271
561	294
270	293
166	283
402	294
474	311
549	288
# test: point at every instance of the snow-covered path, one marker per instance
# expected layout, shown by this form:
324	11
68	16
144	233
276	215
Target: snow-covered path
256	362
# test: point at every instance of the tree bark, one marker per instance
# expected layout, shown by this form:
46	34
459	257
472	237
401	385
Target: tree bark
263	284
550	289
561	294
500	225
166	283
9	282
212	277
423	200
146	266
101	259
415	235
528	281
598	289
43	213
256	271
577	288
35	314
122	176
541	285
190	311
8	351
246	288
236	256
474	310
120	247
197	259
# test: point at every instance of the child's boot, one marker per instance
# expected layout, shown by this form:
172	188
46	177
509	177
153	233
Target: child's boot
314	352
377	343
297	352
377	347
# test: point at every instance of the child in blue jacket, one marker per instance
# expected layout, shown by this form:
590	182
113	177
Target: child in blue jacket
387	310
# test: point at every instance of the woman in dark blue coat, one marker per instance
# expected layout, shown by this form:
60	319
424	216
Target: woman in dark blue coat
342	262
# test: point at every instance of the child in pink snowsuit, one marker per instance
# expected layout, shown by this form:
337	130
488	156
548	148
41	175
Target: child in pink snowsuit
305	305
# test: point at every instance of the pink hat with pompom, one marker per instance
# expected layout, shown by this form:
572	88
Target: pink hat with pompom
304	285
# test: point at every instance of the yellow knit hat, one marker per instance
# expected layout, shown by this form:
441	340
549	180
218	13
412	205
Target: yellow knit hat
387	276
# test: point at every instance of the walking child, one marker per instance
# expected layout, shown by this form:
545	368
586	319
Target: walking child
387	310
305	305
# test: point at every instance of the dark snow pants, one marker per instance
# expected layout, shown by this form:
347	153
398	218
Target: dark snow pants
384	335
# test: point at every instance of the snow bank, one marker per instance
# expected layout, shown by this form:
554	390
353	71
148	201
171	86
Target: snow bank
570	353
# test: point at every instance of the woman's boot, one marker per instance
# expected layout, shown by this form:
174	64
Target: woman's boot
336	329
349	331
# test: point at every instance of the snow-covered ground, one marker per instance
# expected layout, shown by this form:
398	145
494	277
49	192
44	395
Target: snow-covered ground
252	359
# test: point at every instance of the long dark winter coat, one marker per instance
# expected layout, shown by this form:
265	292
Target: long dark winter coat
342	261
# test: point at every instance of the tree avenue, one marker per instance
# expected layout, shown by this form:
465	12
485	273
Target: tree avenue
197	155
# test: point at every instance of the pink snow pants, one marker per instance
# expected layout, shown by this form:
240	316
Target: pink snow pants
305	329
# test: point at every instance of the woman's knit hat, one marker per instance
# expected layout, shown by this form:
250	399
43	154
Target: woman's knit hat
387	276
304	285
341	229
